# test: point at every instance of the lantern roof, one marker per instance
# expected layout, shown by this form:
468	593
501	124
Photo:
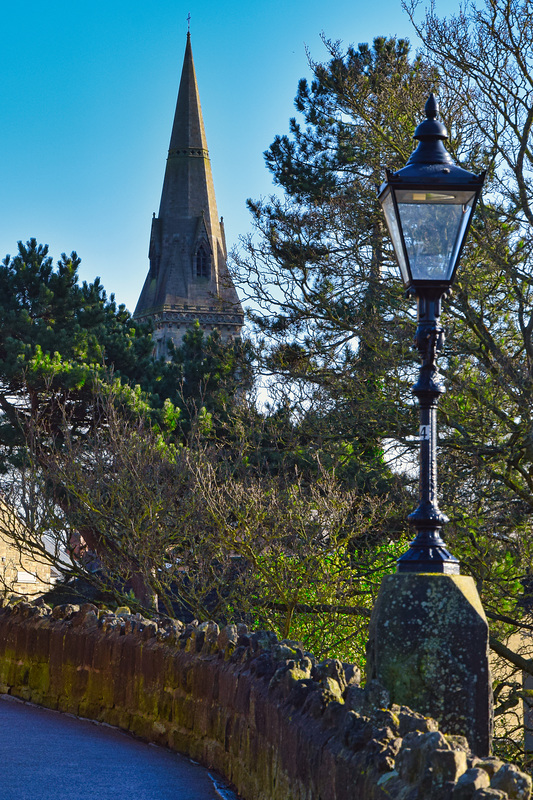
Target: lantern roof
431	162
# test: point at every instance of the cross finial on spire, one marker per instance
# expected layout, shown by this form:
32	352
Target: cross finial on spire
189	23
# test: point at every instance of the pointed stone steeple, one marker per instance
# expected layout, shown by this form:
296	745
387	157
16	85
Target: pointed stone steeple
188	278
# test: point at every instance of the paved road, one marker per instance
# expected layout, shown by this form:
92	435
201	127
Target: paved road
45	755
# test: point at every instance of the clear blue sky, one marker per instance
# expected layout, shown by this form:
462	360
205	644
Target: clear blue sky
88	92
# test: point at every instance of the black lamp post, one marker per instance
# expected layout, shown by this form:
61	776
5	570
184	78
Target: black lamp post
428	206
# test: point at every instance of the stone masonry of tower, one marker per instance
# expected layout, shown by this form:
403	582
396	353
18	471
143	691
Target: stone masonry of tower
188	279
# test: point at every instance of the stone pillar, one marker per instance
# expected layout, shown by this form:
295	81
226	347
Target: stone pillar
428	645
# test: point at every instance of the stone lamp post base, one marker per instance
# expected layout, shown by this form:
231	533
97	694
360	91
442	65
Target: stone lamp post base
428	645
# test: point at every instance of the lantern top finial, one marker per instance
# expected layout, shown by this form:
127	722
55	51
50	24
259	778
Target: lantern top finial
432	107
431	130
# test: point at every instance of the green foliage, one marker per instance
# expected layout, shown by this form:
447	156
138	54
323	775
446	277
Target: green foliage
210	376
60	339
328	596
45	310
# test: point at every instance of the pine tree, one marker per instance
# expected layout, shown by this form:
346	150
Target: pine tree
321	267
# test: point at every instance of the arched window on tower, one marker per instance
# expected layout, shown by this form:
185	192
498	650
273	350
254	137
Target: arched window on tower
203	262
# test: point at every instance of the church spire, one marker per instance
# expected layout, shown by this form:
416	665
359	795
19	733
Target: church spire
188	278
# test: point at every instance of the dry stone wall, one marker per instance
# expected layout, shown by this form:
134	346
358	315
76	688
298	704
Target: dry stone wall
265	714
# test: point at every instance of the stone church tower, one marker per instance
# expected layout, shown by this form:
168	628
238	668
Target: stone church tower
188	278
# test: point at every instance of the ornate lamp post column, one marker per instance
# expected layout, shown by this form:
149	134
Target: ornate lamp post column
428	206
428	635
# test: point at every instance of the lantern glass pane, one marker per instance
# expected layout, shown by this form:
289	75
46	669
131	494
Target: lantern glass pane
392	224
434	225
